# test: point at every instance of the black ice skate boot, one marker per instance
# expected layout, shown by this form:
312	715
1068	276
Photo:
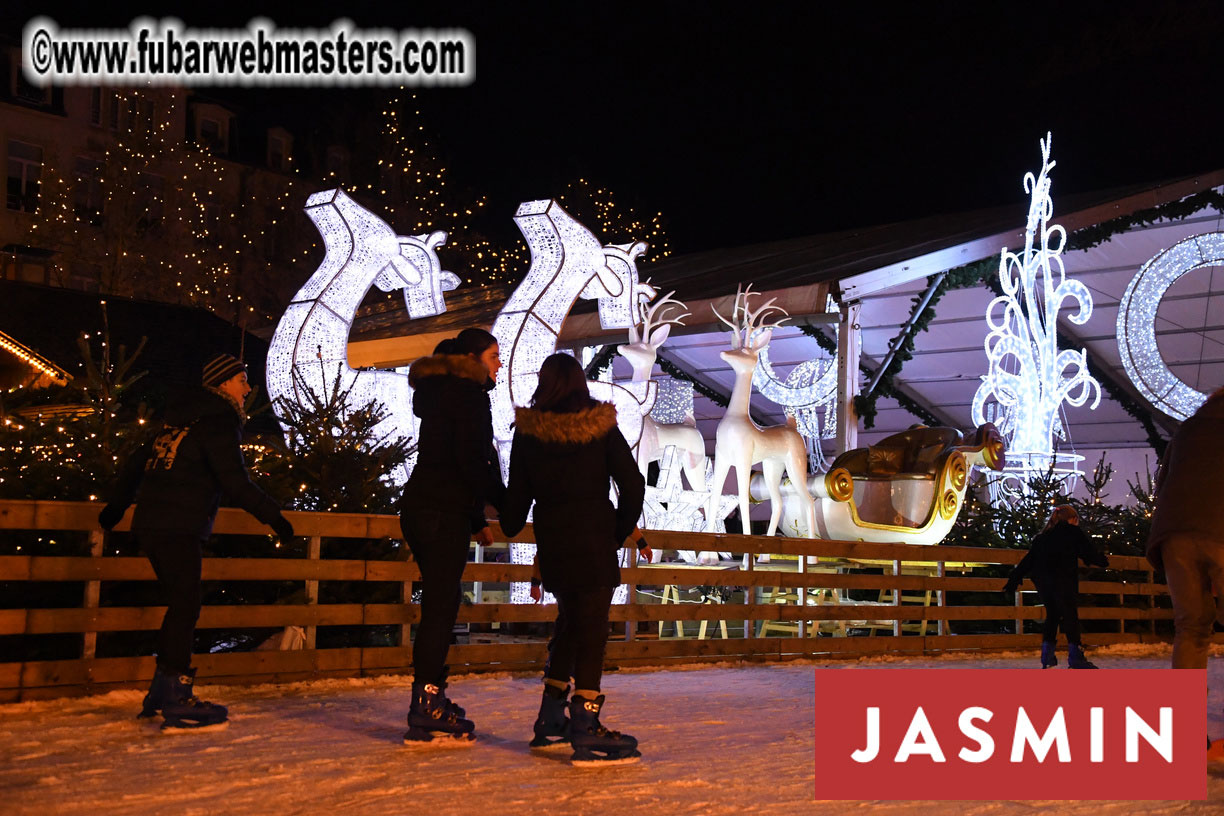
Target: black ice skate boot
1048	658
552	727
1076	659
156	697
431	717
182	710
450	704
593	744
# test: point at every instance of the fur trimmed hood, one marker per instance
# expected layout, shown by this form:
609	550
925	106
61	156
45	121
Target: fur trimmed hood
456	365
575	428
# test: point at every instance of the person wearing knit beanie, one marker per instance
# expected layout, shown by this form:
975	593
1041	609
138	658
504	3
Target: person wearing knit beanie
221	368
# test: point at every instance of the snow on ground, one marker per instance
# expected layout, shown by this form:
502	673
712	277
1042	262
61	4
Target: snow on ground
727	739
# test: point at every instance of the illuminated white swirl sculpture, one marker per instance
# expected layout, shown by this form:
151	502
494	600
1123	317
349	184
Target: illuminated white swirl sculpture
739	442
809	391
1137	323
310	346
1029	378
567	262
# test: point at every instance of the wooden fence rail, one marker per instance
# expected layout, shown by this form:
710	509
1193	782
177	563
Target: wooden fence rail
899	589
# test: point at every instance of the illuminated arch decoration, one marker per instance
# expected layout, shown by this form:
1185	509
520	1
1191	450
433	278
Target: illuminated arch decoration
1137	323
1028	378
309	349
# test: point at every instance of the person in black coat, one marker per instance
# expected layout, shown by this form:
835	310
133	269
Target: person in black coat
177	481
1053	564
443	508
566	451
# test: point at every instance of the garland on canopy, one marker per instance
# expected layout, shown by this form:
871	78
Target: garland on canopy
984	272
603	358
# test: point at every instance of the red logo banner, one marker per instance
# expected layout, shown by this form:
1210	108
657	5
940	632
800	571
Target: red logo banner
1011	734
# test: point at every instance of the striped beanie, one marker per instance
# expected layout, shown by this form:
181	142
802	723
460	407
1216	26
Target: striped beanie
221	368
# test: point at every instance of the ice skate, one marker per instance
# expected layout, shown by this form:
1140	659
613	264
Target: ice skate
594	745
1076	659
450	704
173	695
552	727
1048	658
432	721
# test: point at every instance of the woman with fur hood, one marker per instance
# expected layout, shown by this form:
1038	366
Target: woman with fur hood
443	508
566	449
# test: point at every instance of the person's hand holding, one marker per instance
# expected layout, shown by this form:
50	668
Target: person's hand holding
484	536
537	594
109	517
283	530
645	553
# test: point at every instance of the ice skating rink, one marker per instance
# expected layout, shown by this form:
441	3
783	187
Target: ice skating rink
716	740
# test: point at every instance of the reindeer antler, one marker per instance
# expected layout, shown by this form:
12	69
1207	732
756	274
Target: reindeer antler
751	323
657	315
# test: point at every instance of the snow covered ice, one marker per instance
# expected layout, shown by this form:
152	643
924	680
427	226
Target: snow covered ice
721	739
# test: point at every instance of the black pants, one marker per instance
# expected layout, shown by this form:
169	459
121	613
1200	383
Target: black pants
439	543
581	634
176	562
1062	609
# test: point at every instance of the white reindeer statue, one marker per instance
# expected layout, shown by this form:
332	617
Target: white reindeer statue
641	352
739	442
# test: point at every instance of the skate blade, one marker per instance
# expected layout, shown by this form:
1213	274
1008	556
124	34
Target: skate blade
185	728
438	739
545	745
595	761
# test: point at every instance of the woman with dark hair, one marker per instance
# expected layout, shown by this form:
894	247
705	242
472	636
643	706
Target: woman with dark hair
566	450
1053	564
442	510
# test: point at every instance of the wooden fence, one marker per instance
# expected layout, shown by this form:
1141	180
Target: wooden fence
909	598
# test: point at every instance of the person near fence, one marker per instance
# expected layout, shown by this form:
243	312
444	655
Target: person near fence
1187	535
443	508
1053	564
177	480
566	452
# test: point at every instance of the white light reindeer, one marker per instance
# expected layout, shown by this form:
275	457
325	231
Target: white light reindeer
641	352
739	442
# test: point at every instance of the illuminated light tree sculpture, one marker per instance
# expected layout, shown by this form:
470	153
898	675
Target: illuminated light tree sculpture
309	351
740	442
1137	323
1029	378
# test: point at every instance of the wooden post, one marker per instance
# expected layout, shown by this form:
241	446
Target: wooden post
941	572
93	590
801	595
1019	603
897	597
312	587
750	592
848	352
1151	579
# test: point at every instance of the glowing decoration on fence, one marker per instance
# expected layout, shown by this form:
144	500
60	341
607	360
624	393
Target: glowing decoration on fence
739	442
567	262
809	392
309	349
1029	378
1137	323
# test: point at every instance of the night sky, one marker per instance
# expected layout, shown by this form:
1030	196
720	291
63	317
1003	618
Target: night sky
753	121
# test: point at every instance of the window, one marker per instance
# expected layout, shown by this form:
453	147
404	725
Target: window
337	163
24	172
211	135
88	194
95	106
278	152
25	264
26	91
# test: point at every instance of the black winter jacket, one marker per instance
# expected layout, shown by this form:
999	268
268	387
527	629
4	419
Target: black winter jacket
1053	560
178	479
562	462
456	470
1187	493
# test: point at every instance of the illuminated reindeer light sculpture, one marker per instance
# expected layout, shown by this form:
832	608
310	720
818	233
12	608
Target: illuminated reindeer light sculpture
641	352
740	442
